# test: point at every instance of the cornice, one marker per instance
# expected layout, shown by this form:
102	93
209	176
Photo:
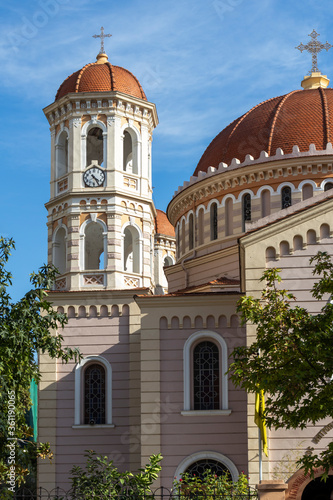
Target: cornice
110	103
265	168
212	299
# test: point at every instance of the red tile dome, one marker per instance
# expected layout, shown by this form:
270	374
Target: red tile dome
101	77
162	224
299	118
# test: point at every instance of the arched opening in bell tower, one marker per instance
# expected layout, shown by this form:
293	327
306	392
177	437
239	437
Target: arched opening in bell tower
93	247
130	163
62	154
132	250
95	146
59	250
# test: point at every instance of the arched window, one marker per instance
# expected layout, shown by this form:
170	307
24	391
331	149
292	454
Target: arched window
167	261
178	240
132	250
128	153
201	214
328	185
246	209
206	376
94	394
286	197
62	154
307	191
190	232
265	203
229	217
95	146
93	247
199	468
213	221
198	462
183	236
59	250
205	367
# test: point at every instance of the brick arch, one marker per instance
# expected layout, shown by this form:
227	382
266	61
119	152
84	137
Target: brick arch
298	482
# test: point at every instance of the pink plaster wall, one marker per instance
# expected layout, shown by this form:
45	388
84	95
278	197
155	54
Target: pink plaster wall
181	435
109	338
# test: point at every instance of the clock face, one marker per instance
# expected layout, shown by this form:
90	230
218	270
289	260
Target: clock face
94	177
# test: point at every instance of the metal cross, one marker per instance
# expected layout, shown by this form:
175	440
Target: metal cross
101	36
314	47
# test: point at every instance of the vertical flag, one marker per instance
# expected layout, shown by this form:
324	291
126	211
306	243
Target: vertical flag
259	419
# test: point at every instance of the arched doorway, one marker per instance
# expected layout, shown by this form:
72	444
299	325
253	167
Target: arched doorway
318	489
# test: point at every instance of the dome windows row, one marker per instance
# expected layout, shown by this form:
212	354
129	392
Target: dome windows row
229	217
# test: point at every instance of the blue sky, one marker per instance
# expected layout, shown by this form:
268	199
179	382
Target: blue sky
203	63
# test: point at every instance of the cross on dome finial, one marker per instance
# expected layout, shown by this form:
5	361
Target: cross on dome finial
314	47
102	36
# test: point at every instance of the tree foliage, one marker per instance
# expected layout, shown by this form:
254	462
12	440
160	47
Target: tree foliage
101	479
26	326
211	486
292	356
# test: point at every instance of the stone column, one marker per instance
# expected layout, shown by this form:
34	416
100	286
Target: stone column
272	490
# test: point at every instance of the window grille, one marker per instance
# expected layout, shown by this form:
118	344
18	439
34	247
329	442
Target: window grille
206	376
213	221
246	209
94	395
199	468
286	197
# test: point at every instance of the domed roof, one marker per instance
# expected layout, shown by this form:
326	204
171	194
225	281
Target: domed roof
299	118
101	76
162	224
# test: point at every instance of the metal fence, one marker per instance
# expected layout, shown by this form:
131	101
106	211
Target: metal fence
127	494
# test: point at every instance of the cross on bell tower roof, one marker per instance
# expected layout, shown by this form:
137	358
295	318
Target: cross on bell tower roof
102	57
315	78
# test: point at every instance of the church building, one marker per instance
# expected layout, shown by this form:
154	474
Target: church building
151	297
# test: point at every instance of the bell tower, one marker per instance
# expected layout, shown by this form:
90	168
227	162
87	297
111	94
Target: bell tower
100	212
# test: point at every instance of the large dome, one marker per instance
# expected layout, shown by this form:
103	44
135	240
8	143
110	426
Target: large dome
299	118
101	76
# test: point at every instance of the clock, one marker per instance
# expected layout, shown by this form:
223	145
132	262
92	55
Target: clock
94	177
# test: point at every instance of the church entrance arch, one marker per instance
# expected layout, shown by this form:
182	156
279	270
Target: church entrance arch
303	487
319	490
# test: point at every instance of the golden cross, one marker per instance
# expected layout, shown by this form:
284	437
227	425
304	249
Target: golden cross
314	47
102	36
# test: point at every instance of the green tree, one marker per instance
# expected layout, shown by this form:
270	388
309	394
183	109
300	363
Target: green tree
101	479
27	326
292	356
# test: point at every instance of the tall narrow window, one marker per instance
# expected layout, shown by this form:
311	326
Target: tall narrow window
307	191
190	232
206	376
229	217
286	197
265	203
183	236
201	226
59	252
62	154
328	185
246	209
94	247
127	153
213	221
131	250
94	394
95	146
178	240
